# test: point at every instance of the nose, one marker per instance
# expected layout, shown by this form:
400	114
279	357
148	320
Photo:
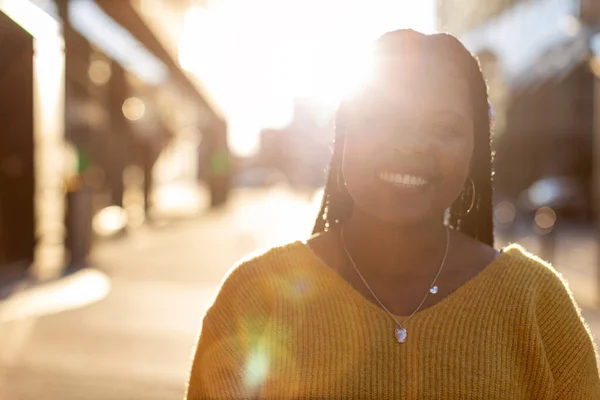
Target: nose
411	143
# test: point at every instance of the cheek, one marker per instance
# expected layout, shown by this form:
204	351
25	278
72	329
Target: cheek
454	161
359	155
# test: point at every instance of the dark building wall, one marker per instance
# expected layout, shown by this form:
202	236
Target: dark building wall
547	121
17	234
549	132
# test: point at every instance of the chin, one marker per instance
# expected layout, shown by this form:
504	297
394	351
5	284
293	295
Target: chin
398	207
402	218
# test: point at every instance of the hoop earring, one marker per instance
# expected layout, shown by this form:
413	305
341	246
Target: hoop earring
473	194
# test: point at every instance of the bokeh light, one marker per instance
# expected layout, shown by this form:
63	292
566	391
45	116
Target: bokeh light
134	109
505	212
545	218
109	221
100	72
257	368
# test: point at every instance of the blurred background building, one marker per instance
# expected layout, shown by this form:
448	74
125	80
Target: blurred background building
96	112
539	58
296	154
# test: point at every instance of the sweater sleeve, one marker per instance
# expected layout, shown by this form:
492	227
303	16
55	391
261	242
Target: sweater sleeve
568	343
226	363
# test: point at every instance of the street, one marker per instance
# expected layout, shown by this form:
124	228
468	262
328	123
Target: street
136	342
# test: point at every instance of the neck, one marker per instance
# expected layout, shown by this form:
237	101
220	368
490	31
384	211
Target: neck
389	250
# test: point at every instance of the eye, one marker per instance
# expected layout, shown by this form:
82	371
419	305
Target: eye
369	123
445	130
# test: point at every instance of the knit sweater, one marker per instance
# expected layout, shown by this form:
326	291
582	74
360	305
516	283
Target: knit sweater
286	326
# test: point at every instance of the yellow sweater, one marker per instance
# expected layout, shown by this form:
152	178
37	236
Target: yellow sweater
285	326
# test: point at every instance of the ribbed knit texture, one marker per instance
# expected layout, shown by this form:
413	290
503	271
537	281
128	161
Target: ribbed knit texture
286	326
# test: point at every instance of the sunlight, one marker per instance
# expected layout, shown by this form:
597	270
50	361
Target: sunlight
197	25
84	287
255	57
257	369
30	17
109	221
324	74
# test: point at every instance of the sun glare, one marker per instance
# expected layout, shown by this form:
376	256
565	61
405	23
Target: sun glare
256	57
324	74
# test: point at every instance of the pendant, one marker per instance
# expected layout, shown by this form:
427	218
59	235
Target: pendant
433	290
401	335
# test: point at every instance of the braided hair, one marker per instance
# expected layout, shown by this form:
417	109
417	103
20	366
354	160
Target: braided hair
471	213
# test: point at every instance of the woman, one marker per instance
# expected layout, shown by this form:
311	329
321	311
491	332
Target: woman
399	294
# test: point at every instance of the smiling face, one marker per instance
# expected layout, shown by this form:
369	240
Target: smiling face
409	140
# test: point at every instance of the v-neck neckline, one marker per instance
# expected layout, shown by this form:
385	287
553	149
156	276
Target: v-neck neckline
345	286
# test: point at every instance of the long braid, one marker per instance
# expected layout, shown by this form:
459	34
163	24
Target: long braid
337	204
478	223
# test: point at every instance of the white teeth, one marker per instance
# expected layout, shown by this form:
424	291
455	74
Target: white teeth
405	180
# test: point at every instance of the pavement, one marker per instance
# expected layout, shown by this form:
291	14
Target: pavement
136	339
136	342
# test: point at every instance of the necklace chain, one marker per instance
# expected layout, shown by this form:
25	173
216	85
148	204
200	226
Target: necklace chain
400	324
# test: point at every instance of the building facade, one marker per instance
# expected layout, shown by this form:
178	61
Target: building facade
91	96
536	57
17	183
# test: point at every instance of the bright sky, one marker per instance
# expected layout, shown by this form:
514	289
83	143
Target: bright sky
256	56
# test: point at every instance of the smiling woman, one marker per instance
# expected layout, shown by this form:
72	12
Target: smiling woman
400	294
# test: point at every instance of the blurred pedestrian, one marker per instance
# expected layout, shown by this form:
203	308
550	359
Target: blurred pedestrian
399	294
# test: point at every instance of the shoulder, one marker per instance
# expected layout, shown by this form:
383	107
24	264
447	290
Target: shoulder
253	279
535	281
524	267
568	343
551	296
249	291
264	264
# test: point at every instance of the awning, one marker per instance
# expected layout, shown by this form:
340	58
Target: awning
117	29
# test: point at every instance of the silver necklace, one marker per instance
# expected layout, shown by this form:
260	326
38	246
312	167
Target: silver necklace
400	332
